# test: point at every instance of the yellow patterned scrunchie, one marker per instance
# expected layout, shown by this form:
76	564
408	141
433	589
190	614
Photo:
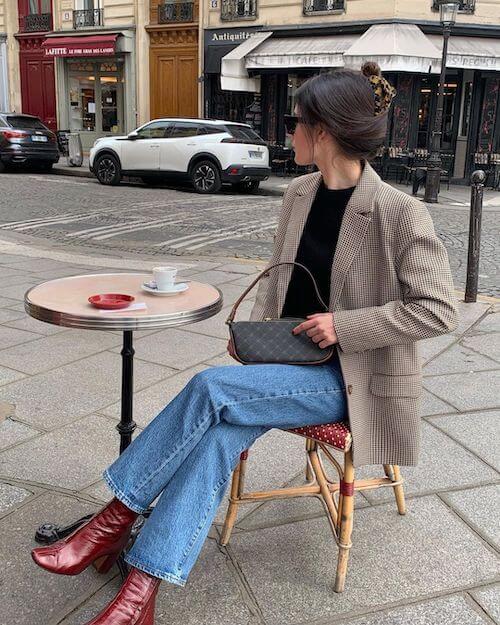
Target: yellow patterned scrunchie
384	93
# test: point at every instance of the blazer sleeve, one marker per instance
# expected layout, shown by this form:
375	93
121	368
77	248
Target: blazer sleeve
269	281
427	307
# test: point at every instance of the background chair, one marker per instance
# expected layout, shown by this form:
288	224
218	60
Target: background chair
447	166
336	496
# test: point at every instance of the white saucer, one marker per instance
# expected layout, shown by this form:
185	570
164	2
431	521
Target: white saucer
179	287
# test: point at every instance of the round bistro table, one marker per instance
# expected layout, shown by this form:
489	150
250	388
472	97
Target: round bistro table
64	302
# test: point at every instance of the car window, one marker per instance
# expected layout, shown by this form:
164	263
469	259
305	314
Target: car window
210	130
25	123
184	129
155	130
244	133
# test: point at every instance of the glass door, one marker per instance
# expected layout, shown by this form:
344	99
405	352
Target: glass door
95	98
111	104
82	102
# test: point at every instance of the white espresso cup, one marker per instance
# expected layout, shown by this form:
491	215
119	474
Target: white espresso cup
164	277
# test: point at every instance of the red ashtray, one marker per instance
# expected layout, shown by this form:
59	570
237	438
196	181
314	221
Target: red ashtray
111	301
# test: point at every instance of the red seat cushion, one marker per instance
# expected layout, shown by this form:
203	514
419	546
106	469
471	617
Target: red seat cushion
337	435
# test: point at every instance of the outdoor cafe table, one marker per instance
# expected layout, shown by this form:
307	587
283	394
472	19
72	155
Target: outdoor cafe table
64	302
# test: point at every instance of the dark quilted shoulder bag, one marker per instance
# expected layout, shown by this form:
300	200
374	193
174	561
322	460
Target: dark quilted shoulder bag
271	341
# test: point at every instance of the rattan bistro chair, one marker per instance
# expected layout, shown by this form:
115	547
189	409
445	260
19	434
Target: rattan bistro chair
337	497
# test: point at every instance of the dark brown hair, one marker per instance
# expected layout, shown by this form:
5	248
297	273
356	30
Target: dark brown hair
343	103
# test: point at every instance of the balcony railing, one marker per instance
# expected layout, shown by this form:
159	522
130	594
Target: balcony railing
233	10
36	22
465	6
175	11
87	18
311	7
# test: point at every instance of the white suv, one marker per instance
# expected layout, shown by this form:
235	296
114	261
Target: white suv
208	152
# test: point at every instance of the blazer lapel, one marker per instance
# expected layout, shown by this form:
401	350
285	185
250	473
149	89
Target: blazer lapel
301	207
355	224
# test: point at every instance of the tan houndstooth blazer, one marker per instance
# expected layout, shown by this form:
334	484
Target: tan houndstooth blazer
391	286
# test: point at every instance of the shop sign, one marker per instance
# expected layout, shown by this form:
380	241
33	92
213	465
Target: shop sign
473	62
228	36
80	51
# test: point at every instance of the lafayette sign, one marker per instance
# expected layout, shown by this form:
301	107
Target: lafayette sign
80	51
94	45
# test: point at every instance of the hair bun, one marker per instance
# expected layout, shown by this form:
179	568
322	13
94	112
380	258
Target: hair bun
370	68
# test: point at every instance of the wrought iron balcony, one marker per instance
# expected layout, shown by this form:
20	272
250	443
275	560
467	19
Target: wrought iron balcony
311	7
233	10
87	18
37	22
175	11
465	6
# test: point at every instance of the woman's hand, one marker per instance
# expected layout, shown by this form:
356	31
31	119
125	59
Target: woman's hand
320	328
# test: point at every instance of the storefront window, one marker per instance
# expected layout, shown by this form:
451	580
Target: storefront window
109	103
424	109
450	93
294	82
466	109
427	111
96	96
82	102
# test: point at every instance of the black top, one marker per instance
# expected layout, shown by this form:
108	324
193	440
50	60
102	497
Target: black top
316	251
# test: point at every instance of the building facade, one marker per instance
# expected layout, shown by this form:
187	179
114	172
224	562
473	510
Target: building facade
4	77
37	74
93	45
257	53
174	63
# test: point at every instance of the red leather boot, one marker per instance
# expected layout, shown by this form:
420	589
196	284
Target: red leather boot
134	604
100	541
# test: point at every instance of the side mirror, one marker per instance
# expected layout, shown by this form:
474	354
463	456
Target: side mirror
133	136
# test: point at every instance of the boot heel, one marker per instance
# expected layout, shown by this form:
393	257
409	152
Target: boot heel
104	564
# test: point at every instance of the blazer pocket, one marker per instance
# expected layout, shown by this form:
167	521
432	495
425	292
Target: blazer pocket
396	385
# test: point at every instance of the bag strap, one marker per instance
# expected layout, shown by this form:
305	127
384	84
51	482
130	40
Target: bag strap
232	314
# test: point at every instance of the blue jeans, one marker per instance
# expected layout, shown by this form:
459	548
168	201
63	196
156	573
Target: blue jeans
187	453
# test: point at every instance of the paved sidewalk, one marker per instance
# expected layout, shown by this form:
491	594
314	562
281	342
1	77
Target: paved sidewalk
59	394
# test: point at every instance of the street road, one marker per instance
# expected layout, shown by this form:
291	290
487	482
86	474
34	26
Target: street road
81	214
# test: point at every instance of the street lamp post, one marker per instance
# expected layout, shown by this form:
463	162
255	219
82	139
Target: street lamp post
448	16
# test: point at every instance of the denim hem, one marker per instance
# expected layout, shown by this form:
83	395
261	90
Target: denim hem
165	575
121	496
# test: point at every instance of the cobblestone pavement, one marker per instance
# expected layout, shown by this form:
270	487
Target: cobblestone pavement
131	218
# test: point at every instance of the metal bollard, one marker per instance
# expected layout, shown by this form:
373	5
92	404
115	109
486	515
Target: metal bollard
476	210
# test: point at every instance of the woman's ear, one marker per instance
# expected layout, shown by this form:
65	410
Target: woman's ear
321	134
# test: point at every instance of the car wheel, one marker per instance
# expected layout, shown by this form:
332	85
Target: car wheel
205	177
107	169
248	186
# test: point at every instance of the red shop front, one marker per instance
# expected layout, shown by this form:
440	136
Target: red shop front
38	92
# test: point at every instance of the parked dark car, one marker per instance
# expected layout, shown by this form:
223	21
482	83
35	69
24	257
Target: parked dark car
25	140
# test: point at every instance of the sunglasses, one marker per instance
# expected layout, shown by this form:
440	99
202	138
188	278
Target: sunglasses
291	122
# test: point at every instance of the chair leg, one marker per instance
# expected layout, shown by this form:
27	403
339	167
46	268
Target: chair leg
310	446
399	491
388	471
236	492
346	522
